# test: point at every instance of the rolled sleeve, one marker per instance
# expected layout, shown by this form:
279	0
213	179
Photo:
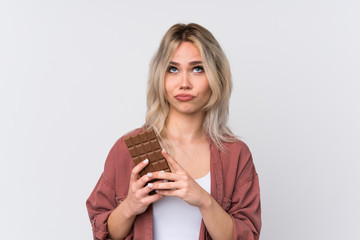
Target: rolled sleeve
100	205
245	209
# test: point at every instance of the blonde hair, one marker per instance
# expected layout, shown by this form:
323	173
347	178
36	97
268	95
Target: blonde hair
217	70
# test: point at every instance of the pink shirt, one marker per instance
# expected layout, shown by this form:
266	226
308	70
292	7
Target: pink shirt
234	185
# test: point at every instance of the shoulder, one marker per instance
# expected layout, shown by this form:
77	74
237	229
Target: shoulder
236	156
238	163
236	147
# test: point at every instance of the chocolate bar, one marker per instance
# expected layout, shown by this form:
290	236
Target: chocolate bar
145	145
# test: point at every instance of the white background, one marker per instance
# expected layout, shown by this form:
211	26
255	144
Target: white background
73	80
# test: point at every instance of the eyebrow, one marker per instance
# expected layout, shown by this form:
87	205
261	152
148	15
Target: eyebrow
190	63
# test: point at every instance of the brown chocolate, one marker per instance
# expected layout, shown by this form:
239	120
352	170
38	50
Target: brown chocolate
145	145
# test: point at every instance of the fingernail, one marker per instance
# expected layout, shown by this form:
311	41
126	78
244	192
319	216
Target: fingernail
165	180
149	174
146	161
150	185
164	151
162	171
157	191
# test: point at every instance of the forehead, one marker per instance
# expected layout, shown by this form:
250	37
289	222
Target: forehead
186	51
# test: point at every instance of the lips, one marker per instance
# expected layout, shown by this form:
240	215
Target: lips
183	97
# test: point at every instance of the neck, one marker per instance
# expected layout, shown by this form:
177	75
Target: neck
185	127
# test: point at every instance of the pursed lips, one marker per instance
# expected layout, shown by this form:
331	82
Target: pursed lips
184	97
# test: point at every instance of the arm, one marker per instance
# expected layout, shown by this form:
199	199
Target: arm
120	217
218	223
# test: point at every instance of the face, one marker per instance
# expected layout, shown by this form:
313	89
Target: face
186	85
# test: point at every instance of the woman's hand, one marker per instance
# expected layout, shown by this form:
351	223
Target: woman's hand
138	198
179	183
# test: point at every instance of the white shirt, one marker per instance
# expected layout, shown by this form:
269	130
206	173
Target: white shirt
176	219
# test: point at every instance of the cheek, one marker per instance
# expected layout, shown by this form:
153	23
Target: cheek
207	92
206	88
169	84
167	87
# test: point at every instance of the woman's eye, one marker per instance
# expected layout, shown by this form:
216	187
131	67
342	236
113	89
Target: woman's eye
198	69
172	69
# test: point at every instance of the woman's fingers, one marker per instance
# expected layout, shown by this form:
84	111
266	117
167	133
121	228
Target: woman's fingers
161	175
168	192
138	198
152	198
144	179
136	170
165	180
145	189
143	184
173	163
166	185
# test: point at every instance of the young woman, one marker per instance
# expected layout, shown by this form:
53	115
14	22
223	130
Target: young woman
212	191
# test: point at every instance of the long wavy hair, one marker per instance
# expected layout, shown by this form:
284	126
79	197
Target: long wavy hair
218	73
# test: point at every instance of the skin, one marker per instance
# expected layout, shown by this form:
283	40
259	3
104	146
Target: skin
186	75
190	147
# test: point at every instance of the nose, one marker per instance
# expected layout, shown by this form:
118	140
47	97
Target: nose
185	81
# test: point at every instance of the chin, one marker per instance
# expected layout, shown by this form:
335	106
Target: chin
189	111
